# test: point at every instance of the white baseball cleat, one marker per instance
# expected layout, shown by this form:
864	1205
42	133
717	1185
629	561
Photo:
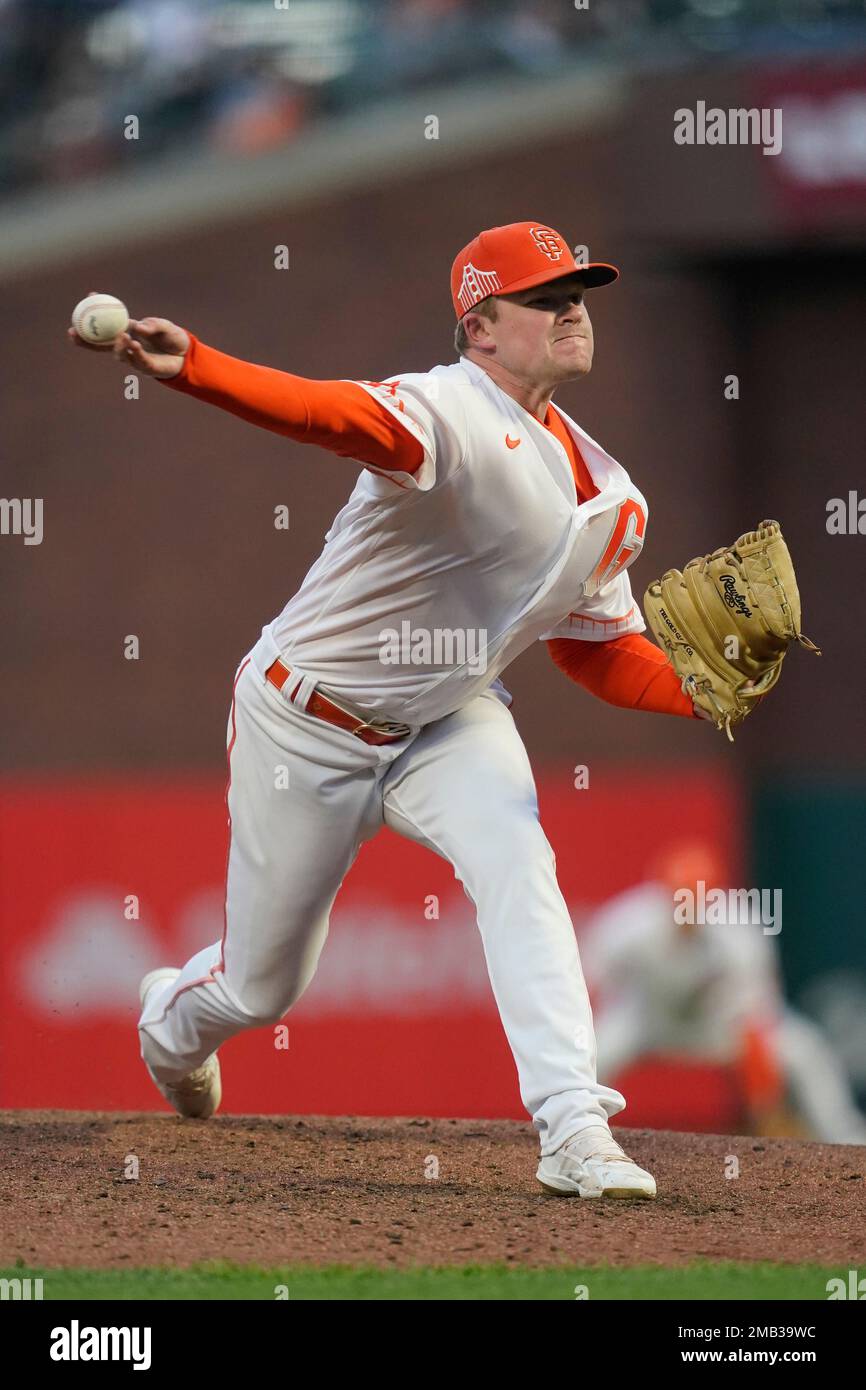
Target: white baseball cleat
196	1096
592	1164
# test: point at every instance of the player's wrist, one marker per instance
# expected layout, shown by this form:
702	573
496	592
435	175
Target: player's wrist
182	359
170	375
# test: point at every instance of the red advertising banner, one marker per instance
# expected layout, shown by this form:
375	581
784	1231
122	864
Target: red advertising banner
102	880
819	173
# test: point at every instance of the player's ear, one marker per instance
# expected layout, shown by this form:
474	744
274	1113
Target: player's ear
477	330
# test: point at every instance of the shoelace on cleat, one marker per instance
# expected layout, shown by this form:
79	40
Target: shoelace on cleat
607	1157
614	1155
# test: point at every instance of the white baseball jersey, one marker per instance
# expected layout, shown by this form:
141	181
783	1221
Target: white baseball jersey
431	583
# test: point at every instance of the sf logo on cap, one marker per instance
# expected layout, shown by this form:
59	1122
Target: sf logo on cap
547	242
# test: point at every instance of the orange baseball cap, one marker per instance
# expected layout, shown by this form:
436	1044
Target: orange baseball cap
516	257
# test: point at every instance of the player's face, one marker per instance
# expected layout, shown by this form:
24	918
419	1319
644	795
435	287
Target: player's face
543	335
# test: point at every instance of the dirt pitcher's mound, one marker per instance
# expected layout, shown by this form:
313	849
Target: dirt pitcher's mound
124	1190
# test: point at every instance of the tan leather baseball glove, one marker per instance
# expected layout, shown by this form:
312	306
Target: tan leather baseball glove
726	622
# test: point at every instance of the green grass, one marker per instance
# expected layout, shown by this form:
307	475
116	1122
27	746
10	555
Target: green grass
701	1280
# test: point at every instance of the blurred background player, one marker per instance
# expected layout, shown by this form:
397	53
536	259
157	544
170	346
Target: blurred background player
711	992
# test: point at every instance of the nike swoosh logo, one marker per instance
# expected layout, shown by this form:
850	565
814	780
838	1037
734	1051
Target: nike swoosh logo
512	443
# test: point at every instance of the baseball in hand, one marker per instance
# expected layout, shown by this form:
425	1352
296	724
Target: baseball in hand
99	318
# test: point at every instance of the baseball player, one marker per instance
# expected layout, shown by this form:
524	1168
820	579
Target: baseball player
483	519
712	992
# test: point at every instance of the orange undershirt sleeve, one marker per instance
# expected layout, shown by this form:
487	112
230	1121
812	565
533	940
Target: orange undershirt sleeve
627	671
337	415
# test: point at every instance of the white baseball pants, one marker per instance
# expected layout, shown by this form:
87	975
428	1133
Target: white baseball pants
462	786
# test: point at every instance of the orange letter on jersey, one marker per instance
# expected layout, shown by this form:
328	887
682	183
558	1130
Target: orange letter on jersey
625	540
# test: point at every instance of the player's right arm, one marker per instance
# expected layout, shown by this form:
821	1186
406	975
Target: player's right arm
340	416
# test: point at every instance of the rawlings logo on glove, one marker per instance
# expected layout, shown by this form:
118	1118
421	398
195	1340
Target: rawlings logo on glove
726	622
732	598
